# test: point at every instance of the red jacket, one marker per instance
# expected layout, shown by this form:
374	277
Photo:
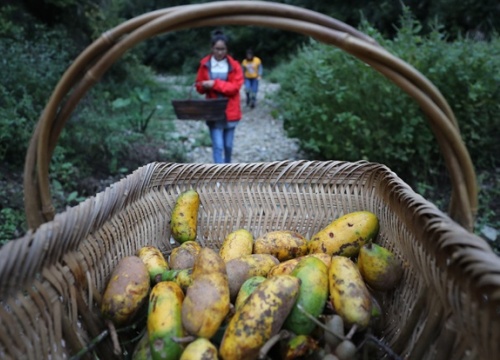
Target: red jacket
229	88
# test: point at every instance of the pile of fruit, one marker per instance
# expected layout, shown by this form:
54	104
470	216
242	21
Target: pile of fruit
278	296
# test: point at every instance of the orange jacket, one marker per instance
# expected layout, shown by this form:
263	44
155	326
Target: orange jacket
229	88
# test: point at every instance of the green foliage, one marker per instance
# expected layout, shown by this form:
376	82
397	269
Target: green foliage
339	108
11	220
179	51
467	72
137	108
105	135
489	200
33	68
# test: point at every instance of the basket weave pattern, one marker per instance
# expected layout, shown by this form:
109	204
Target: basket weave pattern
432	314
446	307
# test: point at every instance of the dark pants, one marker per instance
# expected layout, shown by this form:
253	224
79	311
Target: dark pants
251	88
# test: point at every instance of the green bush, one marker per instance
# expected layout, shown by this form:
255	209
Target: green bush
99	142
10	224
339	108
33	68
116	133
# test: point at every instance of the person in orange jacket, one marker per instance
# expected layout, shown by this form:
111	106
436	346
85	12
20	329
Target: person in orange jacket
220	75
252	66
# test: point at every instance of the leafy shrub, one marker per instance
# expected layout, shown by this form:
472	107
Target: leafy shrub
10	223
106	138
32	68
341	109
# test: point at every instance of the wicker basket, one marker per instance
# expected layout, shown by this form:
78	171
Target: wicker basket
200	109
446	307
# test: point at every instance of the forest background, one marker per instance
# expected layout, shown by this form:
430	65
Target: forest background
121	123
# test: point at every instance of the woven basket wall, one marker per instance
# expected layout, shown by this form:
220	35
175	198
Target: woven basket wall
446	307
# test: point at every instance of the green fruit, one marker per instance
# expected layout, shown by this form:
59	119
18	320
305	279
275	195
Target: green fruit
313	295
379	267
183	277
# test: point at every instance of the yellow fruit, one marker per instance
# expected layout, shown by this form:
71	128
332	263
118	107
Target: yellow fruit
236	244
243	268
380	267
154	261
126	291
345	235
286	267
259	318
183	256
348	293
184	219
164	320
207	299
299	347
208	261
282	244
200	349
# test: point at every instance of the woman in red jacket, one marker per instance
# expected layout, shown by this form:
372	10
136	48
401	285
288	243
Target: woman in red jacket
219	75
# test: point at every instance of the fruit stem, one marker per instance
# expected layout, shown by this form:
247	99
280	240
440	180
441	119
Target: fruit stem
351	331
319	323
114	337
283	334
91	345
183	340
103	335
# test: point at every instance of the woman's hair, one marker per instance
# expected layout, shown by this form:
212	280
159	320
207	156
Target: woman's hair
218	35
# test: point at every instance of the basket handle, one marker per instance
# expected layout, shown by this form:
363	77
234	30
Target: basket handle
94	61
191	88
